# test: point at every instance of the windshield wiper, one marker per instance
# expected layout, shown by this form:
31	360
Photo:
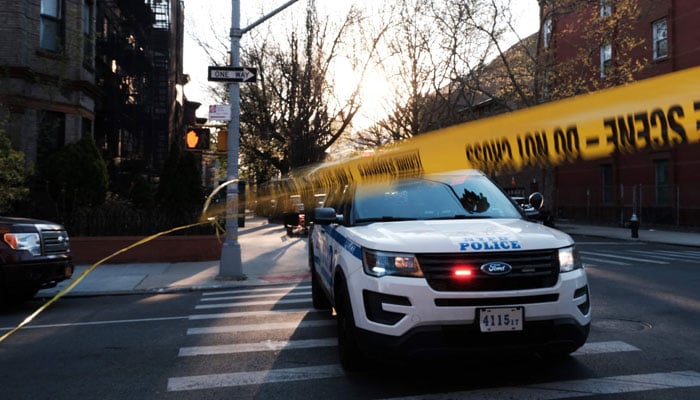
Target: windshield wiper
385	218
464	216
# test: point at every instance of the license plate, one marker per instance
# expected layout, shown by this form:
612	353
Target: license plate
501	319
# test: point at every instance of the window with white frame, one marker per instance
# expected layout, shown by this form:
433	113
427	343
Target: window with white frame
51	25
605	8
605	60
659	31
547	32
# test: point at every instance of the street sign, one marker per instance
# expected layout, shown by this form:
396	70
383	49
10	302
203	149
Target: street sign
219	112
232	74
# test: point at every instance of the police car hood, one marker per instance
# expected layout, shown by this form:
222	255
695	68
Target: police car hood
438	236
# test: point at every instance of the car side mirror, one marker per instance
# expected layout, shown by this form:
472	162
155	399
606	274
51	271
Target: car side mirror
325	216
536	200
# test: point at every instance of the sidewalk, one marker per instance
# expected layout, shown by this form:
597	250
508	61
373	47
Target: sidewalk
270	257
645	235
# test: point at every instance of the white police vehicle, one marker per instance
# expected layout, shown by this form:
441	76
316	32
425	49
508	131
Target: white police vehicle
444	262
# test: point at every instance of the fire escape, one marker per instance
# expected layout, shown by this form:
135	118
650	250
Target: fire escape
161	77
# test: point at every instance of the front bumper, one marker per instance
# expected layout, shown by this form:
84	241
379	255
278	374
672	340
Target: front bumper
404	315
36	275
458	340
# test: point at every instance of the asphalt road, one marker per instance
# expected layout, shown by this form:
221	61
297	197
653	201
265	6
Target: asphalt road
269	343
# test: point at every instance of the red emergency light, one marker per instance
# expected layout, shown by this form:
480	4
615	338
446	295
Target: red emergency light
462	272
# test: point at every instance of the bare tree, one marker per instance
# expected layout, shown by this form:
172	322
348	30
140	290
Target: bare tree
293	113
584	29
440	56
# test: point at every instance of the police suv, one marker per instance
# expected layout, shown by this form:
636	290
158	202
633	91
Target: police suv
444	262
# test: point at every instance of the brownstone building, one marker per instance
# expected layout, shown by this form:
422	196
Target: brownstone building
111	69
590	45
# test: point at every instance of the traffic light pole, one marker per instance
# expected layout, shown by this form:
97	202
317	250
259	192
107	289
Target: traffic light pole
230	266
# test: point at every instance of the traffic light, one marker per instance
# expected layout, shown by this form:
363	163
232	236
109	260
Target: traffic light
197	139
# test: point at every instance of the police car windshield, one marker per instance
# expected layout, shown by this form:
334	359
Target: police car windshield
420	199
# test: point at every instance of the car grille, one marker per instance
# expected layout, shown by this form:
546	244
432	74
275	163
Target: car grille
55	242
530	270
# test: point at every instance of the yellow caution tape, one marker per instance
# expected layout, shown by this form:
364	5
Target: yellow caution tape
648	114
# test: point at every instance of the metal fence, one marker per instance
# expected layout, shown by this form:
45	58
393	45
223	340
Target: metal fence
653	205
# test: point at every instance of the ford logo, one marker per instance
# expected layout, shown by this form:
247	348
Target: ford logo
496	268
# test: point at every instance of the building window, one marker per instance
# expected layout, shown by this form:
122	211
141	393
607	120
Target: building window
605	8
50	29
660	39
86	128
88	33
662	182
605	60
608	188
52	133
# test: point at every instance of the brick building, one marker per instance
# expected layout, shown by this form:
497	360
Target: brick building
107	68
596	44
47	77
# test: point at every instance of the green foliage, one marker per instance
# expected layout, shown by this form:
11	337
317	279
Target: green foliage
180	192
76	176
13	174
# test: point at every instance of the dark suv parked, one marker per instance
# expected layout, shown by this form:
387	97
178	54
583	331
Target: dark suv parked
34	255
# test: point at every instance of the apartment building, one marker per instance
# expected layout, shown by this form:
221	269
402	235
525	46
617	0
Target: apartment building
107	68
597	44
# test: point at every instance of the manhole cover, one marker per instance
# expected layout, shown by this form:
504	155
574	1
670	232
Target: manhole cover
620	324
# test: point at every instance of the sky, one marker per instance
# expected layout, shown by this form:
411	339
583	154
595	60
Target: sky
205	16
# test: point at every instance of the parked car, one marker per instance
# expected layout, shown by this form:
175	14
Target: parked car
34	255
443	264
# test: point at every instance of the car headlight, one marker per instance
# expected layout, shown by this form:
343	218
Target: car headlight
24	241
569	259
381	263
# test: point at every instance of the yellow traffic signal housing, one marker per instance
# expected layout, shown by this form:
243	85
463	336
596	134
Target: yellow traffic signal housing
222	141
197	139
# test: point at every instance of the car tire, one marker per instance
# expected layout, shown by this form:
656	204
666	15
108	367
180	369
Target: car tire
349	352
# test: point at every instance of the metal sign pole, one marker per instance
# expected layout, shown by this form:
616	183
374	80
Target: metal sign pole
230	266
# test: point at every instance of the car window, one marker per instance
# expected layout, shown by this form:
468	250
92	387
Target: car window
476	197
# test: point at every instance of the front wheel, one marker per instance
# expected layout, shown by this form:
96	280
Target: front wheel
351	357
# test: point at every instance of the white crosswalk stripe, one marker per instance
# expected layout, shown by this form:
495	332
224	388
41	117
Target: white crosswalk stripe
635	259
243	314
256	296
279	290
268	345
250	303
259	327
667	254
254	377
276	322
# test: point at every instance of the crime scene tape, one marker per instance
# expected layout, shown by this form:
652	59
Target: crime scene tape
204	219
653	113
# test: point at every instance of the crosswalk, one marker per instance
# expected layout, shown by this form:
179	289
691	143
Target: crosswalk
240	331
610	255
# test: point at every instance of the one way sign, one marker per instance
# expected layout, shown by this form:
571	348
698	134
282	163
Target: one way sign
232	74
